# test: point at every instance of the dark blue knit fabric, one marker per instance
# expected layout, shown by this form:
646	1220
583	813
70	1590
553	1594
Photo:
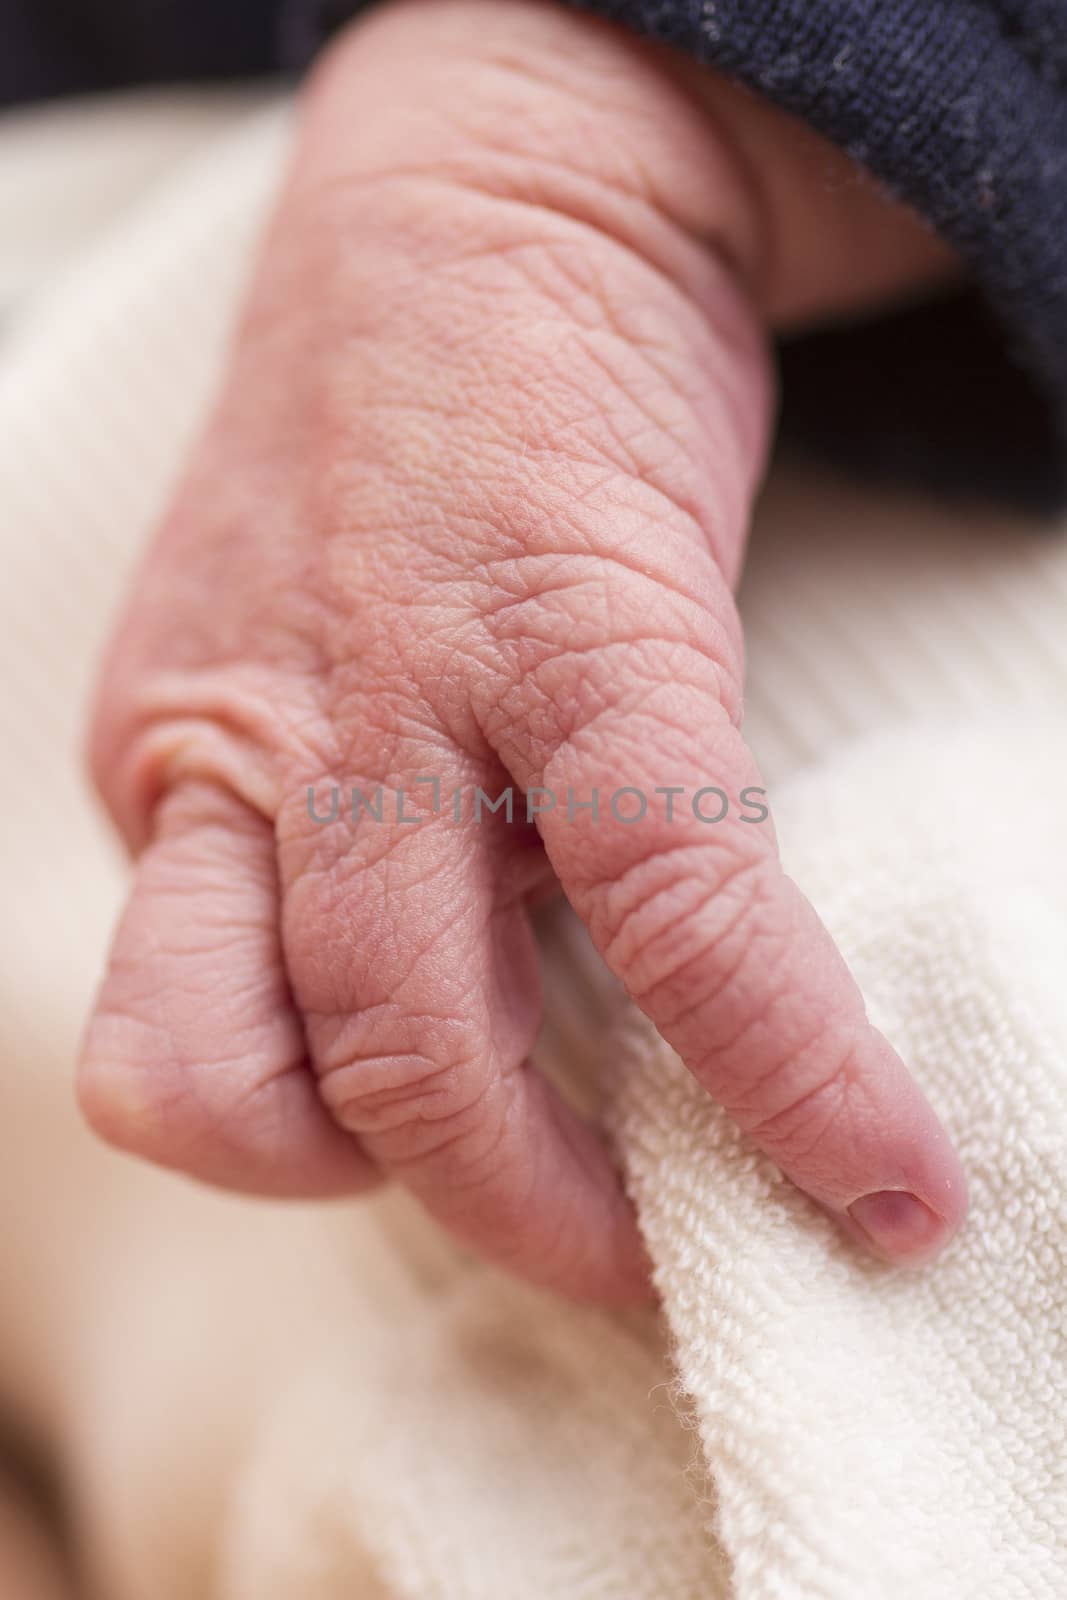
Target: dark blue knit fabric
959	106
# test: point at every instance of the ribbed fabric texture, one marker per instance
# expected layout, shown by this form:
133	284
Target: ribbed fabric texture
266	1402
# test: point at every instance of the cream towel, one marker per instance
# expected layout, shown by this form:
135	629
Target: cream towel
259	1402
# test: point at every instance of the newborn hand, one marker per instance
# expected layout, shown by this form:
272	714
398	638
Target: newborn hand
471	510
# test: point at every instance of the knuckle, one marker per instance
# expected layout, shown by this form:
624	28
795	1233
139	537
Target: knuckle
190	1037
135	1092
187	733
691	926
376	1094
416	1111
803	1101
607	439
143	1093
596	669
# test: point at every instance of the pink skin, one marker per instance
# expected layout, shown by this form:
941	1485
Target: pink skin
472	504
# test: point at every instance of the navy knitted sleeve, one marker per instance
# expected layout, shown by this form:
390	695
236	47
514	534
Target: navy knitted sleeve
960	108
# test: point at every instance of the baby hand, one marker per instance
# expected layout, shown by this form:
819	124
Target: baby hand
467	519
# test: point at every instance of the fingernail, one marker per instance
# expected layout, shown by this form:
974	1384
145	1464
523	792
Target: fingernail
898	1224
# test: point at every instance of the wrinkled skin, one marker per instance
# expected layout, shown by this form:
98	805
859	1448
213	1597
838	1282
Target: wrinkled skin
472	505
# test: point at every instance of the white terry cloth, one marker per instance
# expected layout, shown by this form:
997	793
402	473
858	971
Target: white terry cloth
262	1402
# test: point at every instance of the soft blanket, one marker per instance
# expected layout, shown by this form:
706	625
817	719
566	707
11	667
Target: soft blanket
268	1402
